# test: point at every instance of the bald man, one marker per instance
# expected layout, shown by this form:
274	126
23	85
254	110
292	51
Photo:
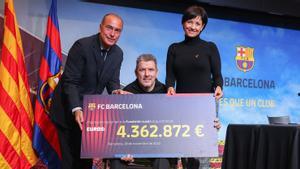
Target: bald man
93	64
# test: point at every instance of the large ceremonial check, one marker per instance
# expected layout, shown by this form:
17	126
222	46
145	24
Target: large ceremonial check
149	125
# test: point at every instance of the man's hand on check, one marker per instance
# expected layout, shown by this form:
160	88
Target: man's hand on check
128	158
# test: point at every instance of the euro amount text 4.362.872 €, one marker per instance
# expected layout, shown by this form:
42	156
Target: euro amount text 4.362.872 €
154	131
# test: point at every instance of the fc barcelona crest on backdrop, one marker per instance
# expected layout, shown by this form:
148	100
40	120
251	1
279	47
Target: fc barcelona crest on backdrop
244	58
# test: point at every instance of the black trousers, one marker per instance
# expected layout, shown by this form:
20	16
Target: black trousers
70	142
190	163
157	163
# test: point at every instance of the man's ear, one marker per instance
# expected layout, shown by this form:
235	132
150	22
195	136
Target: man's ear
156	74
135	72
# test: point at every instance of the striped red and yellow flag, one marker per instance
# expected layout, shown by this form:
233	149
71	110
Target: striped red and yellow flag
16	114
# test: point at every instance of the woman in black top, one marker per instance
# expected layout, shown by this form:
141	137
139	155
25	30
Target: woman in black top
194	65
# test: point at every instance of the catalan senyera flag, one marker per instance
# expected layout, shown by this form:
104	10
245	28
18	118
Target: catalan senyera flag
45	140
16	114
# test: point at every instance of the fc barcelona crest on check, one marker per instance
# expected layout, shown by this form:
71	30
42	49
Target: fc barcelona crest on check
244	58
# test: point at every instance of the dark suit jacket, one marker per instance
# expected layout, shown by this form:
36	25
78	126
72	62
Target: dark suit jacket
85	72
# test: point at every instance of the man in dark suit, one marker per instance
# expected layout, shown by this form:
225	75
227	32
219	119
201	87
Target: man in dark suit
93	64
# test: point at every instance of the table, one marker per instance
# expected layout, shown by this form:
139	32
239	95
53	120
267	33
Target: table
262	147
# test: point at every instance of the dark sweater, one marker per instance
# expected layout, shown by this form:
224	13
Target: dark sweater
194	65
135	88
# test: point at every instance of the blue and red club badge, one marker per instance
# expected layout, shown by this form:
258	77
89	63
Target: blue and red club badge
244	58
